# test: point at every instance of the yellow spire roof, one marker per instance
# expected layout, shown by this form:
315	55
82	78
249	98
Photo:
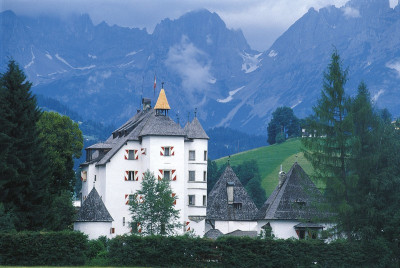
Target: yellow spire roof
162	103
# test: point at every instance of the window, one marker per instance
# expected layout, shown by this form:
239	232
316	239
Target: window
192	175
204	200
130	176
123	221
302	234
112	230
132	198
191	200
131	155
94	177
167	175
83	175
167	151
237	205
205	176
192	155
205	155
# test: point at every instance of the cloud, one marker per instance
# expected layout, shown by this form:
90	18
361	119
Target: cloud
351	12
261	21
394	66
192	65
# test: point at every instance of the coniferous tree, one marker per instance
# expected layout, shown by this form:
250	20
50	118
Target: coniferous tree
328	149
376	164
24	176
153	209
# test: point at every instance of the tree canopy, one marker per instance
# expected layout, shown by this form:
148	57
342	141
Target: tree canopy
152	207
24	170
355	149
283	124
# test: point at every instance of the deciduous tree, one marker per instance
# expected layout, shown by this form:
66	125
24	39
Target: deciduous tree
283	124
153	209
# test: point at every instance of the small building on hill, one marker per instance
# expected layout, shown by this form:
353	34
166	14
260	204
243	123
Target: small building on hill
229	207
293	208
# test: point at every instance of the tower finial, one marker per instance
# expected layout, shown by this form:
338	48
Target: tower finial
229	160
195	112
281	167
162	84
188	117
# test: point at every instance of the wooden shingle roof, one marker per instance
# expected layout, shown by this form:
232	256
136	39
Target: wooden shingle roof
296	199
194	130
162	102
218	207
93	209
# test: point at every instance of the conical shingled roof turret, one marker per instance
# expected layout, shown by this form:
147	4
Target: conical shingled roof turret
93	209
162	102
218	207
194	130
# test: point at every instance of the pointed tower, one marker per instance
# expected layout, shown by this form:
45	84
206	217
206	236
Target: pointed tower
162	106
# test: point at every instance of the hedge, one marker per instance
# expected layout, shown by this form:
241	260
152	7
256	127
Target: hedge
43	248
247	252
73	248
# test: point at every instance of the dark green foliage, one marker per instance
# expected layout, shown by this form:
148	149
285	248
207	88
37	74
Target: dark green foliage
247	252
329	148
24	173
284	124
226	141
256	192
376	165
43	248
63	141
248	174
153	207
6	220
355	149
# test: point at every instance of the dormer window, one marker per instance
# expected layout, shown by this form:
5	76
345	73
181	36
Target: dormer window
237	206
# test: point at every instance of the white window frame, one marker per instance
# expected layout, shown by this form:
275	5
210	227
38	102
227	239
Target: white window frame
194	175
130	152
194	155
165	150
169	172
191	200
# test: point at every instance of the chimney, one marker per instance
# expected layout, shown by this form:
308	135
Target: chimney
146	103
282	177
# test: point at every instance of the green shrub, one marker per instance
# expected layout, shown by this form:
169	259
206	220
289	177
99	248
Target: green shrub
43	248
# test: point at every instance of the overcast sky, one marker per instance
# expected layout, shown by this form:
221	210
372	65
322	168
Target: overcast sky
261	21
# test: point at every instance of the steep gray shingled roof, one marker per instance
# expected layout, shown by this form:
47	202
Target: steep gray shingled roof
213	234
93	209
194	130
218	207
241	233
296	199
144	123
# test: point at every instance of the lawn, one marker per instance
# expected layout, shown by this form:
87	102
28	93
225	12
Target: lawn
269	158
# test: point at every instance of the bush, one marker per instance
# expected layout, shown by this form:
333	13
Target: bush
43	248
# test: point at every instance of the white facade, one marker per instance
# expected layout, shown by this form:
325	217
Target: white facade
94	229
114	185
230	226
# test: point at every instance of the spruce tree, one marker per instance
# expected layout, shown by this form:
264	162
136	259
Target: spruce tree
376	163
25	175
328	147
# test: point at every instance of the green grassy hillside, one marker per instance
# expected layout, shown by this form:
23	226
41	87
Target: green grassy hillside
269	159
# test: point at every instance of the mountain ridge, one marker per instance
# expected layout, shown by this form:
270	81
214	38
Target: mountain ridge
101	71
